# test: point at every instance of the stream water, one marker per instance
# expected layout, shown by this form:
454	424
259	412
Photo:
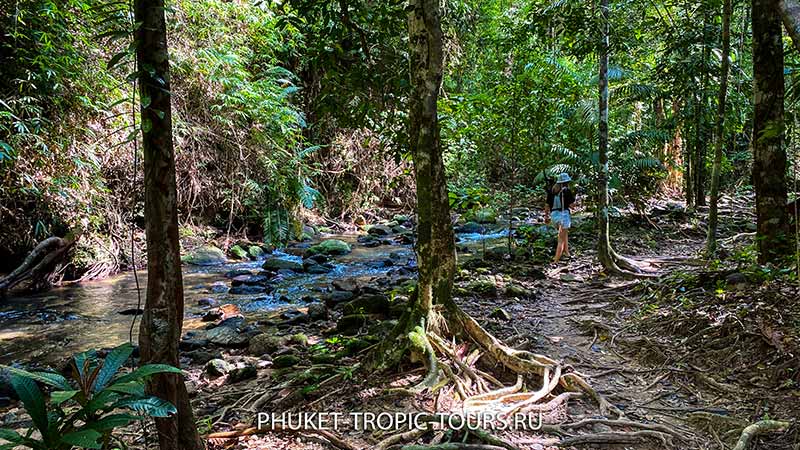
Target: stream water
45	328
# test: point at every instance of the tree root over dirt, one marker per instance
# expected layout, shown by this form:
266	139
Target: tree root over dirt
760	427
451	367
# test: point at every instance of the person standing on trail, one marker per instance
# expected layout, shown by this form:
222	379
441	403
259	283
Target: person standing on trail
559	199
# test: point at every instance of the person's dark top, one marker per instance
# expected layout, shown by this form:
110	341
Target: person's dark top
567	199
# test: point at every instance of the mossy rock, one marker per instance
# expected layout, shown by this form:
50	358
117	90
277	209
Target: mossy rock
484	215
283	361
206	256
329	247
483	285
265	343
516	290
324	358
255	251
280	263
400	218
299	339
218	367
238	252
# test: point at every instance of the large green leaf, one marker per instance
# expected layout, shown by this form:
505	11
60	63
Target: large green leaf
152	406
115	359
10	436
49	378
113	421
146	371
87	438
33	400
135	388
59	397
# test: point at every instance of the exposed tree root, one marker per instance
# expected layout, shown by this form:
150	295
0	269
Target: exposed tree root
760	427
453	446
335	440
39	265
616	437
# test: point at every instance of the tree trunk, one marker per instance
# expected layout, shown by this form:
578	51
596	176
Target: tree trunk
162	319
769	157
711	241
790	13
435	248
688	161
604	251
435	239
699	161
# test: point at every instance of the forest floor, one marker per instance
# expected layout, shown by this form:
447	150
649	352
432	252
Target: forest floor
703	351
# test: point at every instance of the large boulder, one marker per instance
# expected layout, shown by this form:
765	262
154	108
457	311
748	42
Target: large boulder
329	247
227	337
276	264
206	256
379	230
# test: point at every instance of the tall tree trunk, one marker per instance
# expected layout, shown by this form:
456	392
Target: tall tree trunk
688	161
162	320
604	251
699	164
711	241
790	13
435	238
769	157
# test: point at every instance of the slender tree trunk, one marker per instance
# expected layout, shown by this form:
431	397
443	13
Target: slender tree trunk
769	157
699	163
162	320
604	250
711	241
688	159
790	13
435	238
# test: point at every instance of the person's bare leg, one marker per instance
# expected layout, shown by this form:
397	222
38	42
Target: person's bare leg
560	245
566	243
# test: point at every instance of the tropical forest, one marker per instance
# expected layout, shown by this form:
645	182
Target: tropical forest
399	224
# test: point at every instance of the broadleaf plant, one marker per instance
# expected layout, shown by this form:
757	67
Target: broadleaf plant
84	409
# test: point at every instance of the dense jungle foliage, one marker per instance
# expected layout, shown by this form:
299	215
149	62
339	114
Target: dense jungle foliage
285	109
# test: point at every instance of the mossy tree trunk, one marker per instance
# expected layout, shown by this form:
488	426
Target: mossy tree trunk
769	157
435	248
435	240
719	135
162	320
